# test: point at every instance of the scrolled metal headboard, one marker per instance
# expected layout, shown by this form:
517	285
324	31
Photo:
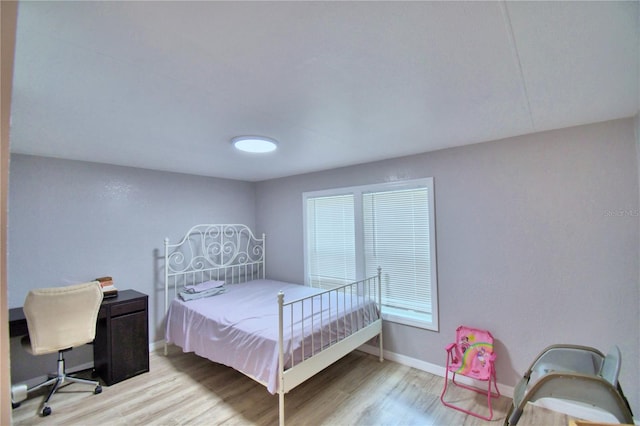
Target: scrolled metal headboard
228	252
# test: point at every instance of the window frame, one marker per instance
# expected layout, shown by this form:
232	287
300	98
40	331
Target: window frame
357	191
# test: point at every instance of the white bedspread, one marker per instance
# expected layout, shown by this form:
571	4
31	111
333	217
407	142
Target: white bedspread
240	327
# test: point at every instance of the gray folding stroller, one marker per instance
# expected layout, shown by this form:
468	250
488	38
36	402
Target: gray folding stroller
575	373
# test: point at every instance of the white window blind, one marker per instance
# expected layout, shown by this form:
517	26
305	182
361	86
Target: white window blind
330	240
396	237
349	232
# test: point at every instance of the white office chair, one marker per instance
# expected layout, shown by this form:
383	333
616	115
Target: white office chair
59	319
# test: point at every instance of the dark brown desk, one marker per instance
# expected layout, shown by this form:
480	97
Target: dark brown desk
121	346
17	323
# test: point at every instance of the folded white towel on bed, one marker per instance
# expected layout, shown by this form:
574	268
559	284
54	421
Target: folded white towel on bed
186	296
207	285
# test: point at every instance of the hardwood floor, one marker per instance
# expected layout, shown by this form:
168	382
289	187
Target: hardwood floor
184	389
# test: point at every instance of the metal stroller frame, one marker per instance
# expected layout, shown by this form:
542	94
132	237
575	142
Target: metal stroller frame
575	373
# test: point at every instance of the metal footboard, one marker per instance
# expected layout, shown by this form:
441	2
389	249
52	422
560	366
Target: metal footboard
328	332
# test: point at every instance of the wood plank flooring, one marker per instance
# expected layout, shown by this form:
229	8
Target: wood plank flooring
184	389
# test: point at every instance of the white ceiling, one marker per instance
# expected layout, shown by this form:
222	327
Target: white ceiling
166	85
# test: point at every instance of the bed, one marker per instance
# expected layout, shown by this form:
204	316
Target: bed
279	334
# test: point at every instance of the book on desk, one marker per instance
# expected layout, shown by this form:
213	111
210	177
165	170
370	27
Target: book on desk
108	289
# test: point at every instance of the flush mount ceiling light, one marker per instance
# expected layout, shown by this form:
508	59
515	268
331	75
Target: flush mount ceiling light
256	144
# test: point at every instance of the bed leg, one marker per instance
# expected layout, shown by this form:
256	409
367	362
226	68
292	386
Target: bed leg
380	347
281	408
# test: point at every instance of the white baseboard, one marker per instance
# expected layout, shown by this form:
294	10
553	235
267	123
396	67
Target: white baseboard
569	408
432	368
153	346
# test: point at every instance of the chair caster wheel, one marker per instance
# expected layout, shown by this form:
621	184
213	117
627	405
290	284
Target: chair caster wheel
97	390
46	411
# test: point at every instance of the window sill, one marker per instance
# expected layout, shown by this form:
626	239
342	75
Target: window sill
424	321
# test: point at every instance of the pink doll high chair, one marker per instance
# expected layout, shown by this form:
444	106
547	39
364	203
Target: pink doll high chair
472	356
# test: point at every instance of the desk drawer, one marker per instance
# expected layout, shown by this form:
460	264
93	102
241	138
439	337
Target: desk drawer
121	347
128	307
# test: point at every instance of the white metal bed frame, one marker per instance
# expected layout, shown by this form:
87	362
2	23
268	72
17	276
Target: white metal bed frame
232	253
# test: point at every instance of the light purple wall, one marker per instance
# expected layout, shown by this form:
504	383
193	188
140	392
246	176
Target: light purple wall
637	122
537	241
73	221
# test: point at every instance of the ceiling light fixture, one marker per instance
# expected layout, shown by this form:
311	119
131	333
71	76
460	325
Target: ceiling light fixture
255	144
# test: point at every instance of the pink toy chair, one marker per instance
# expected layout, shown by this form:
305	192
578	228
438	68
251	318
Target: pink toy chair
472	356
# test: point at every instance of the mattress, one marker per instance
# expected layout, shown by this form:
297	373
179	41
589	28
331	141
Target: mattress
239	328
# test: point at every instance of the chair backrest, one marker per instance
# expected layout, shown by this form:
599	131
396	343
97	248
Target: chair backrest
610	367
62	317
476	347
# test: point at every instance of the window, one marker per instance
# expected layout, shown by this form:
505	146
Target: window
331	242
349	232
